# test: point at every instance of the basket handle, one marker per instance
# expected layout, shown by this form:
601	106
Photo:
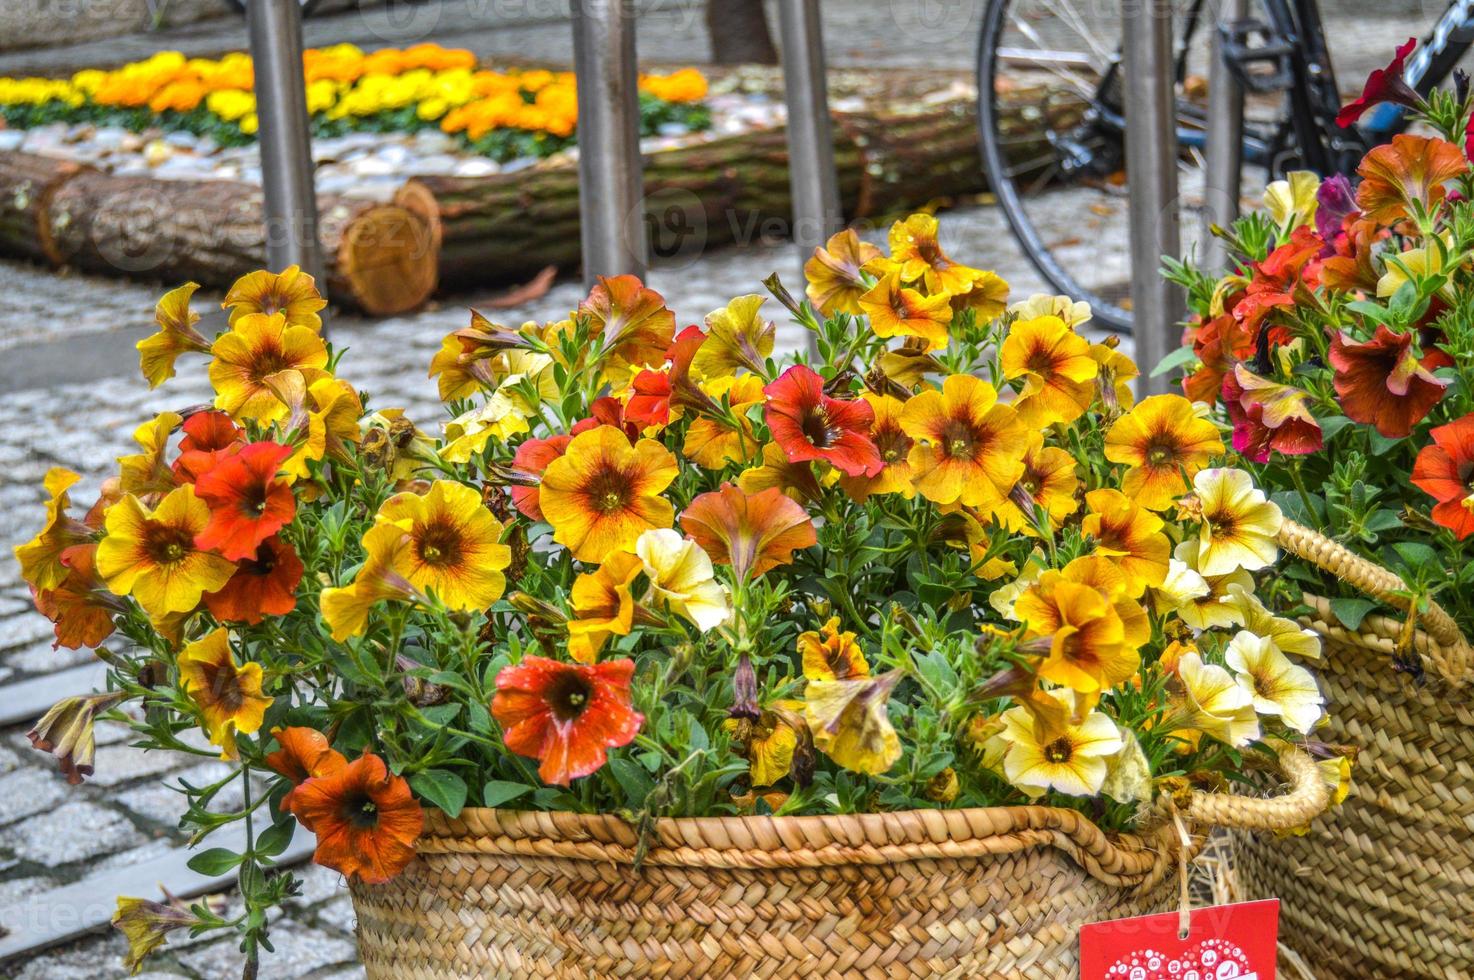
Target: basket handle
1306	798
1379	583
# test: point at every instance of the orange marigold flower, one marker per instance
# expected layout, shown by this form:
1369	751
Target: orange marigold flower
1130	534
635	324
603	605
896	311
810	425
833	274
602	492
969	447
228	696
209	437
365	818
40	558
832	655
1163	443
565	715
1381	383
919	255
304	754
1445	471
455	547
247	502
157	353
752	533
737	336
250	355
264	584
153	557
893	444
1058	371
1409	172
291	292
80	607
530	460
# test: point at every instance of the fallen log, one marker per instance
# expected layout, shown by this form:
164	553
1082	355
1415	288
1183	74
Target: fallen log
27	185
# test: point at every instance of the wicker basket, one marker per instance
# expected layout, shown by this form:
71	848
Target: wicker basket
996	893
1381	886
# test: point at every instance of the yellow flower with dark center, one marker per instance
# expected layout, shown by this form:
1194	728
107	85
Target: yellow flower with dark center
1103	575
1115	372
1088	651
1217	705
896	311
832	655
332	408
1278	687
291	292
1068	758
455	547
603	605
157	353
796	480
1163	443
738	336
918	255
682	578
252	353
969	448
1210	608
498	417
345	609
152	556
988	296
895	452
850	722
1288	636
602	493
228	696
1057	369
713	442
962	528
833	274
1049	481
40	557
1240	526
1130	534
148	473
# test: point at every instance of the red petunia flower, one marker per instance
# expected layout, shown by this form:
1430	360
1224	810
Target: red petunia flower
1268	417
209	437
1381	383
565	715
262	586
366	819
1218	343
608	411
1383	85
660	396
1445	471
248	504
1293	265
810	425
531	458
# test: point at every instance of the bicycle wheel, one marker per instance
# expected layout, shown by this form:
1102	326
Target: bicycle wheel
1050	109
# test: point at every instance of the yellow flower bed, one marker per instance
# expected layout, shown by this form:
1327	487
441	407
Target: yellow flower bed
391	89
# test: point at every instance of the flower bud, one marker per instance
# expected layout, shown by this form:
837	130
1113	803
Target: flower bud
66	732
744	690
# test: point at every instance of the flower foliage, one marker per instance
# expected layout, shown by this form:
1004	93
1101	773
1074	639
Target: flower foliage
1340	349
661	572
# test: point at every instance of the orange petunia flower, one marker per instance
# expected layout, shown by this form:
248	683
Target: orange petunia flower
602	492
530	460
833	274
1088	651
153	557
365	818
565	715
1130	534
635	325
832	655
1058	371
247	502
264	584
209	437
919	256
1445	471
737	336
250	355
894	446
896	311
291	292
177	335
810	425
1049	480
40	558
1381	383
1407	174
455	548
304	754
969	447
603	605
229	696
80	608
752	533
1163	443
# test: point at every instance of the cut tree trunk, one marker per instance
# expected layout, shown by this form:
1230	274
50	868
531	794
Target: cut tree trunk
381	258
733	189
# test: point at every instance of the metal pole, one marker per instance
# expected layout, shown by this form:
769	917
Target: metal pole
286	148
811	171
1151	168
610	179
1225	142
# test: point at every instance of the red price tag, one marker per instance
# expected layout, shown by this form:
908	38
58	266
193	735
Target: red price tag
1224	942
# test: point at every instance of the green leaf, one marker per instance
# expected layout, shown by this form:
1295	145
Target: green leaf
500	791
1415	554
1332	424
274	839
214	862
636	783
1352	611
444	789
1180	358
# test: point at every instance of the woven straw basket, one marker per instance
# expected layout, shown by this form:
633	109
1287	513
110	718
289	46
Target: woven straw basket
1383	886
981	893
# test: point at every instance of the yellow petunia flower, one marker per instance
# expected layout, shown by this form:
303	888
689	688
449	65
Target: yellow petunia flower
1068	758
1212	608
1292	202
850	722
1288	636
738	336
468	434
1130	534
250	355
894	446
969	448
1163	442
1278	687
1056	367
1240	526
896	311
291	292
229	696
157	353
604	605
711	442
832	655
455	548
152	555
147	473
1088	651
40	558
1074	313
835	283
918	256
681	575
1050	480
1217	705
602	493
345	609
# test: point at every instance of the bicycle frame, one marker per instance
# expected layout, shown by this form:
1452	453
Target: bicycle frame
1430	64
